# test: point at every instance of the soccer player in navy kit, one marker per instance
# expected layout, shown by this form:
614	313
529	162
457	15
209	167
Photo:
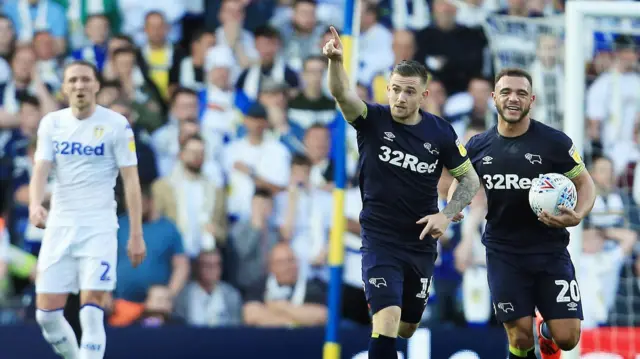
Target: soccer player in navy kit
528	263
402	153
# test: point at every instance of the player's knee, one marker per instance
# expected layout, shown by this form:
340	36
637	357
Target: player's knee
49	320
406	330
567	339
520	338
386	321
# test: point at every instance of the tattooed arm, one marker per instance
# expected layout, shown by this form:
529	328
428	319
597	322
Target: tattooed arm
466	187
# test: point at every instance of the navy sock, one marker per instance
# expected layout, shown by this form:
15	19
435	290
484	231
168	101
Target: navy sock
544	330
382	347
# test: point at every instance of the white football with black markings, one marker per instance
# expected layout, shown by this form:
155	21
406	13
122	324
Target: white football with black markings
550	191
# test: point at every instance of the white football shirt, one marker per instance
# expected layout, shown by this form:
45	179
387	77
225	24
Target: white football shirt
87	155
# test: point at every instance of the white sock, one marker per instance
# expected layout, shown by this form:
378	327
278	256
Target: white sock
94	338
58	332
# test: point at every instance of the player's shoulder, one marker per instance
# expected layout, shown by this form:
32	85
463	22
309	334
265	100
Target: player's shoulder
375	110
543	132
110	117
438	124
482	139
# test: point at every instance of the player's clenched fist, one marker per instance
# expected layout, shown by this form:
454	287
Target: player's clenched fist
435	225
38	216
136	249
333	48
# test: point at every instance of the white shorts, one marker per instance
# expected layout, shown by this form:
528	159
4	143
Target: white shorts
72	259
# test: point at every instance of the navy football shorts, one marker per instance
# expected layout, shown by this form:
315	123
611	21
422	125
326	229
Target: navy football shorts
521	282
398	279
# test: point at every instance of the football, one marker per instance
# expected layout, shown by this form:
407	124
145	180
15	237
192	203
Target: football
550	191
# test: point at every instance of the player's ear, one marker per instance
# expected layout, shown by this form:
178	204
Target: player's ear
425	94
533	99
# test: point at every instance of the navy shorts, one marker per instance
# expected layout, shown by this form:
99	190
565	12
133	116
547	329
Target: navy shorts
521	282
397	279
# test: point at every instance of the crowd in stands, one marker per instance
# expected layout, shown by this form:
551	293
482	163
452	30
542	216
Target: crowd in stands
233	128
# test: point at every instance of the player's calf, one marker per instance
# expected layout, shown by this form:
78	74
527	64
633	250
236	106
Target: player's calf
564	332
55	328
385	324
521	339
406	330
94	338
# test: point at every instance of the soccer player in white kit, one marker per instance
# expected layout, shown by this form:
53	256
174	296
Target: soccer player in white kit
86	145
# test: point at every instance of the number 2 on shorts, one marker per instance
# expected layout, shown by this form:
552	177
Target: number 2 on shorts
105	277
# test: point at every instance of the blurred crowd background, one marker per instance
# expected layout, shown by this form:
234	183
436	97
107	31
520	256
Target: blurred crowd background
234	124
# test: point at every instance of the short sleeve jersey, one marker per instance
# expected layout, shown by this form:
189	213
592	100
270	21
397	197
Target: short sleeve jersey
507	166
87	155
400	169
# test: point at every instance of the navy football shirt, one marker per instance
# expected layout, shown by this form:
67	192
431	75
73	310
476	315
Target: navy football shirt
400	169
506	167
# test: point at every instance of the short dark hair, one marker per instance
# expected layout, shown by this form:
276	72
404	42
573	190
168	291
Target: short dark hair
314	58
125	50
262	192
267	31
514	72
28	100
300	160
311	2
199	33
181	91
412	68
195	137
84	63
154	13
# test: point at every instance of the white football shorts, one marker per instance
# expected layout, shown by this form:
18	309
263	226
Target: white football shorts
72	259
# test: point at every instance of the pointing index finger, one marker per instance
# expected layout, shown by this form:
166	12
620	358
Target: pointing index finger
336	37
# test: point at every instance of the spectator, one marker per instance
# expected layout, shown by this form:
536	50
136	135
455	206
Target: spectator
166	263
96	28
48	64
404	48
548	74
81	32
254	160
232	36
189	72
7	38
144	94
612	106
31	16
26	81
158	52
251	242
317	141
183	107
443	41
301	33
196	204
374	44
520	8
286	297
272	65
208	301
473	108
158	307
312	106
304	215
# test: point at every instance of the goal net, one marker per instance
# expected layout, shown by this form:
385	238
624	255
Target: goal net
586	79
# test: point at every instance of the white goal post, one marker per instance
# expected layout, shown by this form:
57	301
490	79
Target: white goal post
576	31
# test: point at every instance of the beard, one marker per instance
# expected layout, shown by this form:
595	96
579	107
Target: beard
524	111
195	168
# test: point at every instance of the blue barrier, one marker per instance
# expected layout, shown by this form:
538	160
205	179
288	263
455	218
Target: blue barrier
20	342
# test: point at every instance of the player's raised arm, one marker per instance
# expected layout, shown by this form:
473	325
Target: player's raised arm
45	151
350	104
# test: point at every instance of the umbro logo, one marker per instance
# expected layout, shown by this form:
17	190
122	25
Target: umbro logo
486	160
533	158
389	136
